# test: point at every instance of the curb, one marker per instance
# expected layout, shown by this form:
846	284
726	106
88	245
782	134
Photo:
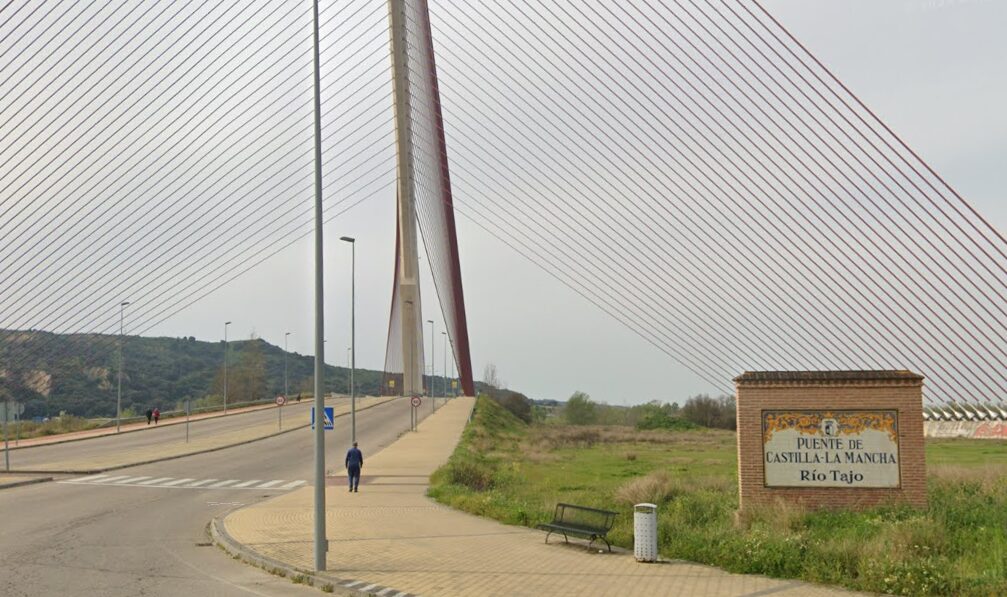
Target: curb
176	457
329	584
23	483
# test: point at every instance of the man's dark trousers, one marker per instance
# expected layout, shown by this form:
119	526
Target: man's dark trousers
354	473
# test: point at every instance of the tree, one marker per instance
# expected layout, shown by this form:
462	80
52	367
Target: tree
490	376
580	410
710	412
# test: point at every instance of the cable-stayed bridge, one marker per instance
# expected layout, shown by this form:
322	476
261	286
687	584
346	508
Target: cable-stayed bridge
690	168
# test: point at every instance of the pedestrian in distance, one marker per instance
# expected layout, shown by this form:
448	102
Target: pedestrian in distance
157	415
354	462
150	415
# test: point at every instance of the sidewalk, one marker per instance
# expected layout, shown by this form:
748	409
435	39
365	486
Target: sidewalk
390	539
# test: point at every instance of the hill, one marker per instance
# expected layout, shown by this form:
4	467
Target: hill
77	373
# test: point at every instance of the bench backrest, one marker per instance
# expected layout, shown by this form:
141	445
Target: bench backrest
584	517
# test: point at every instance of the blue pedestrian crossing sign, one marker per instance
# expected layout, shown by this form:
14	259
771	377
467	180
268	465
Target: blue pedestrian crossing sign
330	414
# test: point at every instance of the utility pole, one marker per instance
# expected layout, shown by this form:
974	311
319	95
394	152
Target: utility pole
226	346
445	384
118	400
321	543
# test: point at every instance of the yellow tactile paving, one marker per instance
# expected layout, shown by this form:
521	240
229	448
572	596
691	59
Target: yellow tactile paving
391	535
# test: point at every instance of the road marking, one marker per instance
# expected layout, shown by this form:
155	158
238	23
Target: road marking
350	585
223	483
175	482
203	482
130	480
270	484
153	481
293	484
247	483
112	479
90	479
367	588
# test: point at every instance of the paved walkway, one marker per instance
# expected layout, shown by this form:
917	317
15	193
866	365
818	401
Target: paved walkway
114	459
390	539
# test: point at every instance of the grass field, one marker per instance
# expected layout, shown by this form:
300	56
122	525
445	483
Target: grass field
515	473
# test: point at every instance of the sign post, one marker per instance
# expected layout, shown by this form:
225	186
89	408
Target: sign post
280	401
415	401
188	410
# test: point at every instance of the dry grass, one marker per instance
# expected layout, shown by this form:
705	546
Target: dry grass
988	477
552	437
778	515
655	488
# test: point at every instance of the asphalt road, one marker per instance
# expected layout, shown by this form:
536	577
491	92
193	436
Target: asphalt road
111	539
26	458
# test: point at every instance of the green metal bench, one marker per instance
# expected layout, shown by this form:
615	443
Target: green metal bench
579	521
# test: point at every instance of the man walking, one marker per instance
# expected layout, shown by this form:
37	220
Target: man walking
354	462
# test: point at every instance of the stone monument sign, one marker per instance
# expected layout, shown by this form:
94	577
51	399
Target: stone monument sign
830	438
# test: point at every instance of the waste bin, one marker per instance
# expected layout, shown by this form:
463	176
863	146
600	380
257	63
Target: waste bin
645	532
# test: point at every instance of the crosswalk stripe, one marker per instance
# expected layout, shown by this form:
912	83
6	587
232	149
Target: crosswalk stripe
90	479
367	588
247	483
352	584
223	483
130	480
270	484
175	482
153	481
112	479
203	482
293	484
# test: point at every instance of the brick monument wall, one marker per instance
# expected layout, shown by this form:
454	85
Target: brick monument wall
809	400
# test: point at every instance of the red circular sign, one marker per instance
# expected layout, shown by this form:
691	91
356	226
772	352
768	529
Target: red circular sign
281	400
415	401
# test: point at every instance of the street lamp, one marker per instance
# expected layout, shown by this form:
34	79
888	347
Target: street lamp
285	336
433	361
226	323
353	333
445	385
118	400
349	382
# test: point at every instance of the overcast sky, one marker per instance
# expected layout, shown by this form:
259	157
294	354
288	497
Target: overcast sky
932	69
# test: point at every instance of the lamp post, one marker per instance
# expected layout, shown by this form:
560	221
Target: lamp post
433	364
226	323
445	385
353	333
285	390
118	400
321	546
412	410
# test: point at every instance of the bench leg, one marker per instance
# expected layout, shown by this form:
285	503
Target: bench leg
607	543
547	537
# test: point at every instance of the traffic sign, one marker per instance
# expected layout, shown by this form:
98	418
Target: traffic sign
330	414
415	401
281	400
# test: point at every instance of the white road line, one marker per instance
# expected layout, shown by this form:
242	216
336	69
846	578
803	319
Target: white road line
223	483
293	484
130	480
352	584
385	591
203	482
153	481
247	483
90	479
367	588
112	479
270	484
175	482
